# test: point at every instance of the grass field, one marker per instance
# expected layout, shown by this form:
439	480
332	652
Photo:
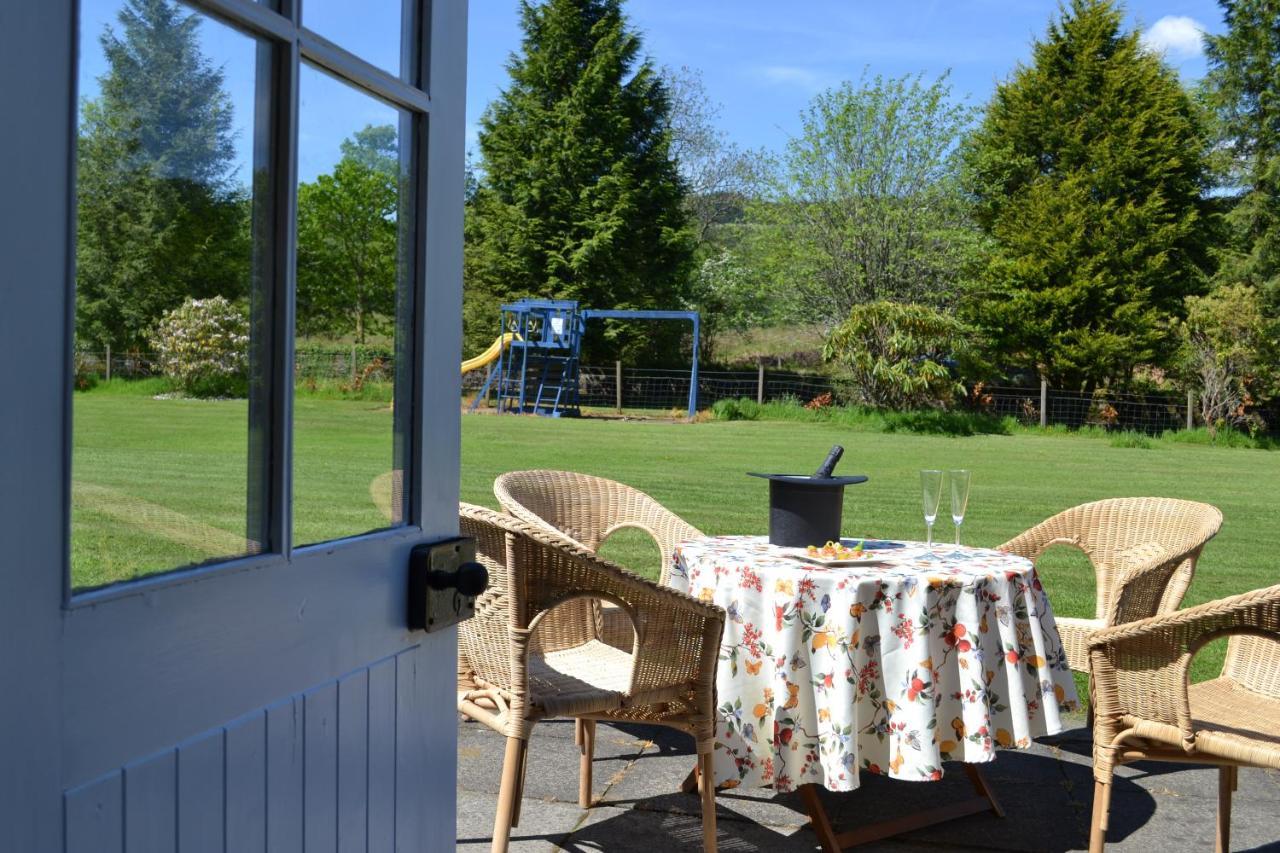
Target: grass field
158	480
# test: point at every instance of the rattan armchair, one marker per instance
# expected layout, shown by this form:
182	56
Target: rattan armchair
532	651
1147	710
1143	551
588	510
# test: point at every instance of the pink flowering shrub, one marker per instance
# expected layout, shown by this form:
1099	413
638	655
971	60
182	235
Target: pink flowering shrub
203	347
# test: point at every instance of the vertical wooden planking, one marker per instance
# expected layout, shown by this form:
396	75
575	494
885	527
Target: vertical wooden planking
411	751
353	763
320	770
439	758
284	777
150	805
201	787
382	756
246	792
94	816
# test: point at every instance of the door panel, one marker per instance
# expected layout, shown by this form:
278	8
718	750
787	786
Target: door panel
275	704
337	743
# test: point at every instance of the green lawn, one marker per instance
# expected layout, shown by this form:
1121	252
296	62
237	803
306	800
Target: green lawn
187	459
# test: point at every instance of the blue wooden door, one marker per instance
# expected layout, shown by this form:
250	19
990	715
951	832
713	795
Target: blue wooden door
189	666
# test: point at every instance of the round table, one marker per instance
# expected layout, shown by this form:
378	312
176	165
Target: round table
933	654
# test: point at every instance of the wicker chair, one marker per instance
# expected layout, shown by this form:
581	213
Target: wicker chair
1147	710
588	510
1144	553
532	651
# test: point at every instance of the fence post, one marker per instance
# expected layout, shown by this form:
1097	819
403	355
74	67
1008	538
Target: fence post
760	385
353	363
1044	402
617	386
1191	403
108	362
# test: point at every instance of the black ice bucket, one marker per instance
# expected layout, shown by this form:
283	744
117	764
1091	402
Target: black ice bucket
805	510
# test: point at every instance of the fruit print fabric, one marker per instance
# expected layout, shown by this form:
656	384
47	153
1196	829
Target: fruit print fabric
937	654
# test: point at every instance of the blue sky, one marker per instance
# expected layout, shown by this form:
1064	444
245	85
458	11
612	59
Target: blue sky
760	62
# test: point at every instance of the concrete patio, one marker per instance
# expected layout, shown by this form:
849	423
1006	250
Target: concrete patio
1047	792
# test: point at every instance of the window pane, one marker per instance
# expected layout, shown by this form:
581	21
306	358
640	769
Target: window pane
166	293
370	29
353	305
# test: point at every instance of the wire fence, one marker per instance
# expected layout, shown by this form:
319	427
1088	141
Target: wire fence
633	388
1149	413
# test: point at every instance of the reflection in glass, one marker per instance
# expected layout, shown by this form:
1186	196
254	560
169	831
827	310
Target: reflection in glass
163	473
369	29
352	307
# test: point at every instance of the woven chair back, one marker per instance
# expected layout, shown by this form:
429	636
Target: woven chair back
1109	531
589	509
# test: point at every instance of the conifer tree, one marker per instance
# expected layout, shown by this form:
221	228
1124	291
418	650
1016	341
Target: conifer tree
1088	176
578	196
159	218
1244	88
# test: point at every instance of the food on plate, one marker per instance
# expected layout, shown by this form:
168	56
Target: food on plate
836	551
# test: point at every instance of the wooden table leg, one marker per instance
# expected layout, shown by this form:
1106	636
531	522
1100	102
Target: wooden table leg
983	787
818	817
833	842
690	783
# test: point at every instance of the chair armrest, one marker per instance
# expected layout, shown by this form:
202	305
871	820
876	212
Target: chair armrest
677	637
1140	668
1032	543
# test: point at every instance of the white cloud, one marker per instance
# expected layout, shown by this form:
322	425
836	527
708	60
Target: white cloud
792	75
1176	36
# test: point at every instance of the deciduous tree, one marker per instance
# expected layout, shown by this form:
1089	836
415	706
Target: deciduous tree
348	239
866	203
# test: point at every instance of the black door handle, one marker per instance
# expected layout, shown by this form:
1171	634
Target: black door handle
468	579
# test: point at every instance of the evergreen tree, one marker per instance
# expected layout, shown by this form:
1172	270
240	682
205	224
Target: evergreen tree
158	218
1088	176
1244	88
578	195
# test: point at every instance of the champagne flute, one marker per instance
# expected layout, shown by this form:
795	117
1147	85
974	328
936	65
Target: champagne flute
931	483
959	498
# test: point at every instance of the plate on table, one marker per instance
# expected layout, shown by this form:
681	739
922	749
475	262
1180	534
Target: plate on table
846	553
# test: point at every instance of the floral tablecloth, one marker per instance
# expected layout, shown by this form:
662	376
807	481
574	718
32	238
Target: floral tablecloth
940	654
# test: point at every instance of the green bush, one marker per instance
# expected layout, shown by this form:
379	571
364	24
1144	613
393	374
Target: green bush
897	355
202	346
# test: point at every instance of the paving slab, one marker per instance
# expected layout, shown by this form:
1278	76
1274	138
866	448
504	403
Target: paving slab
1047	792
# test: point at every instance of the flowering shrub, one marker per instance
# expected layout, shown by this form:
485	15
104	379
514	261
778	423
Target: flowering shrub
203	347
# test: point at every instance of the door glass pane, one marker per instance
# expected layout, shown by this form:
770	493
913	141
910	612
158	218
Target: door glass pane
369	29
167	292
353	303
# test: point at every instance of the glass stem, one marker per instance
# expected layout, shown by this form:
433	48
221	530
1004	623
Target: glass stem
957	533
929	533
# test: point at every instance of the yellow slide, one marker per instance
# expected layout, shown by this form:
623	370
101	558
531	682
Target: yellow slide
491	354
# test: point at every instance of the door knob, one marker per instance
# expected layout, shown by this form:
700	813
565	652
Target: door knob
469	579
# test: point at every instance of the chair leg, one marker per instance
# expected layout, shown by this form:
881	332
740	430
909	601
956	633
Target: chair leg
586	751
512	763
524	771
1101	808
1226	784
708	793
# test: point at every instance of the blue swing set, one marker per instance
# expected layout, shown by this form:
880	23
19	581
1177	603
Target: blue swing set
537	370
